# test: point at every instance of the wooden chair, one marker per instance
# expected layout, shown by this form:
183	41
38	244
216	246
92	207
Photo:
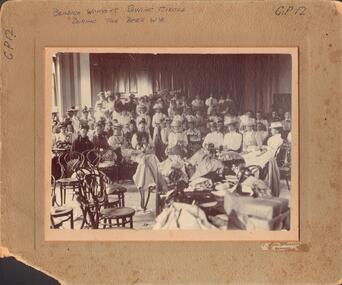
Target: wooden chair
113	190
91	198
94	157
283	157
58	214
94	200
122	216
107	204
256	170
61	212
70	162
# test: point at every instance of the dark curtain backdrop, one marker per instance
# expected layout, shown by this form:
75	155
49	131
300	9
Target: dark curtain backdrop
252	80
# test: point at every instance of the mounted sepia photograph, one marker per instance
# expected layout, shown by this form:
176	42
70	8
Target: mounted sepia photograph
162	143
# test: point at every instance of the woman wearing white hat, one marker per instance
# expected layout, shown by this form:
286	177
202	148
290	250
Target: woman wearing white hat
158	115
233	139
214	137
177	136
275	140
249	140
142	114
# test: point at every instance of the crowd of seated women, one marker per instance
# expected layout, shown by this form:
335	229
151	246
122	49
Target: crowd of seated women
162	121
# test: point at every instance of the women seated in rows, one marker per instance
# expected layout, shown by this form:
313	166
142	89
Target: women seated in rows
187	129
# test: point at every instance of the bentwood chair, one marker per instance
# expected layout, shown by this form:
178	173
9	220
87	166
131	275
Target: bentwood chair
94	158
283	158
121	216
98	208
113	191
91	198
70	163
59	214
256	170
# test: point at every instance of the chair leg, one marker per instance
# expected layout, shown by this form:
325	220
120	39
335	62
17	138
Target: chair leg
123	199
72	220
84	214
61	193
64	188
131	223
287	183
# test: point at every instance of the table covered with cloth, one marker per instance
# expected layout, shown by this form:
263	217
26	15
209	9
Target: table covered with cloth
266	213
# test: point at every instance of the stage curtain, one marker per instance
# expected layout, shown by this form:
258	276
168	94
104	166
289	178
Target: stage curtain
251	80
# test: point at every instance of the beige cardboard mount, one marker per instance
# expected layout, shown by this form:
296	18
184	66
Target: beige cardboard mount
30	29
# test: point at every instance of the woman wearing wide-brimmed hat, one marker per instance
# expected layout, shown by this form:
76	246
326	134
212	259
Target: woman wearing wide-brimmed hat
276	139
142	113
158	114
249	140
177	136
213	137
232	139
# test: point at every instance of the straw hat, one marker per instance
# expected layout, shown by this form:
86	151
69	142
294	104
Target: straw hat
176	123
157	106
275	125
230	121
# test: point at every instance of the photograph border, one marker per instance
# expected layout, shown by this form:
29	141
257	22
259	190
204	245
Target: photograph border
177	235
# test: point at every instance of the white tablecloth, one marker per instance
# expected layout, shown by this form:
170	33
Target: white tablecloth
258	158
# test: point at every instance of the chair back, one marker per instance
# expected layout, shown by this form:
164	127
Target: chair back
93	158
70	162
92	197
256	170
95	187
283	154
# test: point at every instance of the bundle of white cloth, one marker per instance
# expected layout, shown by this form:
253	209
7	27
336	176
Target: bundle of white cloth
181	216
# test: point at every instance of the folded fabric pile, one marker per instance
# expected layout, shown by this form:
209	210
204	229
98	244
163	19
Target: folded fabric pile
181	216
266	213
200	184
